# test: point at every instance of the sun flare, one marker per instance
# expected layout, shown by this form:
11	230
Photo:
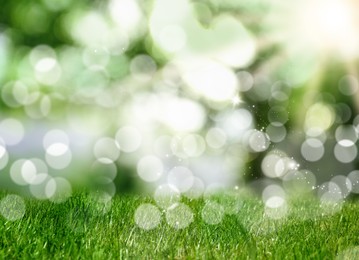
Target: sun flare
326	26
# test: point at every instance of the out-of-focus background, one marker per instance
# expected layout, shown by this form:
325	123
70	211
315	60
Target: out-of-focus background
179	96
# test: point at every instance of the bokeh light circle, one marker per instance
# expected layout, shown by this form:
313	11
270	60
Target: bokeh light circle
12	207
55	136
143	67
246	80
276	132
216	138
196	189
101	202
38	186
275	164
276	207
193	145
344	184
59	159
212	213
353	176
179	216
257	141
129	139
312	149
166	195
163	146
345	152
236	123
180	177
107	170
58	189
298	182
172	38
147	216
150	168
272	190
348	85
346	135
12	131
106	150
22	172
278	114
4	156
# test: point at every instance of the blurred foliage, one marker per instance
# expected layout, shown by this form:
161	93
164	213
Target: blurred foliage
98	71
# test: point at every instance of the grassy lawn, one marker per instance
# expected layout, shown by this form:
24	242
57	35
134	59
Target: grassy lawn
84	228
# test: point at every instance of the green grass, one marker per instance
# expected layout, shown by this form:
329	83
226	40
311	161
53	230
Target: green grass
78	229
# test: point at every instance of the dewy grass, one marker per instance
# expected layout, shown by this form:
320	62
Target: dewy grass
89	226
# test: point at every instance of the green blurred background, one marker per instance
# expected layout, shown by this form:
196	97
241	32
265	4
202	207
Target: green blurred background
124	96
